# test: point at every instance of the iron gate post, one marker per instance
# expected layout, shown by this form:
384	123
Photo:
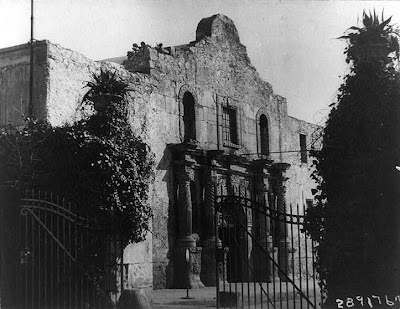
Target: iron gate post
9	246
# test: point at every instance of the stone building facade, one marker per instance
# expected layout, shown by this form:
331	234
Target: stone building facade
208	117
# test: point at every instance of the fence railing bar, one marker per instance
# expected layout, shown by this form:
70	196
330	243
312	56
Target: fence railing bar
49	232
306	250
292	253
227	235
220	206
299	248
33	262
287	256
280	221
57	209
216	219
245	259
313	261
275	214
40	226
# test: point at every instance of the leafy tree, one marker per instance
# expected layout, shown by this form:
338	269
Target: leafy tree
356	220
97	163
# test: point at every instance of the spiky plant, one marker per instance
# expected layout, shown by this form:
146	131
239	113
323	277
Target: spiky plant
377	39
105	83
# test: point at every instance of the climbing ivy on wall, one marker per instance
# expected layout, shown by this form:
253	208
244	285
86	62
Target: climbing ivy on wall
97	163
357	213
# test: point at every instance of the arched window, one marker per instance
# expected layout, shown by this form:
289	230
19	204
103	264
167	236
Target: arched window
264	135
189	119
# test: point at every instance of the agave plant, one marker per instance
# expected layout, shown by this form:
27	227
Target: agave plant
106	87
375	40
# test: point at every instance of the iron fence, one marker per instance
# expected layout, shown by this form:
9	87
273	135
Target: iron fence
265	259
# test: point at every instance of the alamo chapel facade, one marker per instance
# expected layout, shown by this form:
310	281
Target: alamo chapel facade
208	117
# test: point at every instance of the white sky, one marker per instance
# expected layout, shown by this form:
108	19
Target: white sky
291	43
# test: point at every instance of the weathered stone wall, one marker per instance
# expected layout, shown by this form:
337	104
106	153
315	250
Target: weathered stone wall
213	69
299	183
58	92
15	79
68	73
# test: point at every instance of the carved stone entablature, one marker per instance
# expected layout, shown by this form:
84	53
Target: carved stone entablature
213	157
187	152
240	162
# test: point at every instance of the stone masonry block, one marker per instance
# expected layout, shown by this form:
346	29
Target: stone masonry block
158	101
172	106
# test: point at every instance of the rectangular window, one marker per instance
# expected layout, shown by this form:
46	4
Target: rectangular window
229	126
303	148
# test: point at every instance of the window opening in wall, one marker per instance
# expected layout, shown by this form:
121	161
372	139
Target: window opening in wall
189	117
264	135
229	126
303	148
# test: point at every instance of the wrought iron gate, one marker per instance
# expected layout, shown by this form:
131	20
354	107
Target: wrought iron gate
65	259
264	260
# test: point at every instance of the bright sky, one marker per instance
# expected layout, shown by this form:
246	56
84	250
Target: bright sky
291	43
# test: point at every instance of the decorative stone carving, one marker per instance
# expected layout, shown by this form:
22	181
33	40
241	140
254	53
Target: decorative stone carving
185	174
234	181
195	269
188	268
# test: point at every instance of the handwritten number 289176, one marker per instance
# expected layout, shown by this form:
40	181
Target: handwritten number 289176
369	301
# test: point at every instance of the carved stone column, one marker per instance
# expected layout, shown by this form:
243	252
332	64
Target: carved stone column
184	175
187	256
283	243
209	209
210	243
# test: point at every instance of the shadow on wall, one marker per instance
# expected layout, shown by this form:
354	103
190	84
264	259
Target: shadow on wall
163	266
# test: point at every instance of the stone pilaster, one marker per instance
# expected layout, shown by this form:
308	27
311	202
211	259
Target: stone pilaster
264	225
234	185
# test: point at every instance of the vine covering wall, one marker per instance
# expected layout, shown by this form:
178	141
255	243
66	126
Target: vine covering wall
97	163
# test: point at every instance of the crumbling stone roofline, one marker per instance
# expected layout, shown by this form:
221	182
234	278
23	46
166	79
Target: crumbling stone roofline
217	41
